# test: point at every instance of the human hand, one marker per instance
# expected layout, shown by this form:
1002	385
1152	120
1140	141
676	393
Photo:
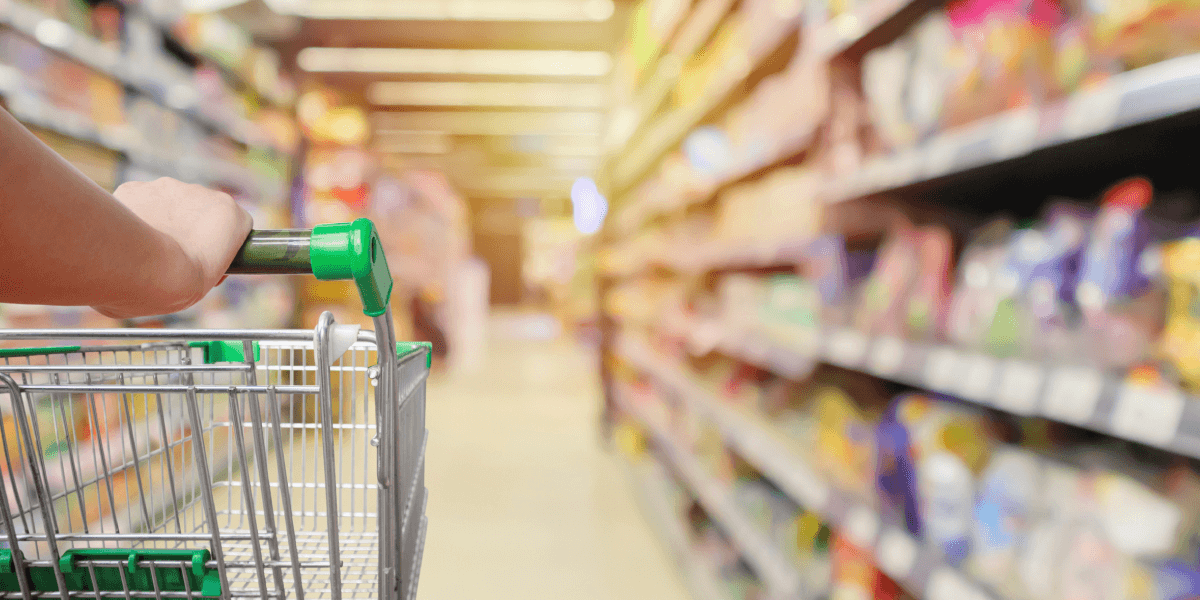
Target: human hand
201	231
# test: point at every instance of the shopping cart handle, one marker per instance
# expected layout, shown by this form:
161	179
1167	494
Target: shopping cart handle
339	251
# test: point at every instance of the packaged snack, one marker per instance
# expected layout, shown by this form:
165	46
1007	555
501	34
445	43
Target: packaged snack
790	302
1005	510
886	74
950	444
1007	55
926	308
854	572
885	296
1122	315
844	441
1034	316
1181	335
1040	559
932	75
978	290
896	472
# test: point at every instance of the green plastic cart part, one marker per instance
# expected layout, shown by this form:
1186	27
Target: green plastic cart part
226	352
20	352
200	579
405	348
353	251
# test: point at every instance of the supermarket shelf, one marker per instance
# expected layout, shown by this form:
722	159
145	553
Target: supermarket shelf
30	110
691	34
920	568
777	574
1084	396
1135	97
849	29
667	132
89	51
234	78
653	498
700	25
734	175
828	41
720	255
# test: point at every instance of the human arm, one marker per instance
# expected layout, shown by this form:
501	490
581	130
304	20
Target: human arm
149	248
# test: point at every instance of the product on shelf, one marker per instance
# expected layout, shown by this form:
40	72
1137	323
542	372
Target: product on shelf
975	58
1181	334
1006	506
856	576
1121	312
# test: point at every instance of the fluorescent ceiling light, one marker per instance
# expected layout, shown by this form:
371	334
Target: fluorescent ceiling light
414	142
585	164
537	63
200	6
459	10
548	95
484	123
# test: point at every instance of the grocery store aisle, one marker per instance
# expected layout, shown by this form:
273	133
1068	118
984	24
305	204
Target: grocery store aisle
524	502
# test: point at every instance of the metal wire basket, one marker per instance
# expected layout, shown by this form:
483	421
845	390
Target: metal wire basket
219	463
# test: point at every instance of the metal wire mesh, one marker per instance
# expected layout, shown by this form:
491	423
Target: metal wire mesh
142	447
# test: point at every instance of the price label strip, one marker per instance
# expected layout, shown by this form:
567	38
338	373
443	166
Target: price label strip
847	348
897	553
1020	383
1092	112
1073	393
861	526
979	378
942	369
1016	133
1148	414
947	584
887	356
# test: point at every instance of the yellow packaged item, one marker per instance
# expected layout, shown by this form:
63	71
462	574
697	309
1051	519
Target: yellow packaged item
1181	335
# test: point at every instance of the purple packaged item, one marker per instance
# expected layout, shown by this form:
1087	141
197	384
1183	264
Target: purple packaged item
1122	314
1110	273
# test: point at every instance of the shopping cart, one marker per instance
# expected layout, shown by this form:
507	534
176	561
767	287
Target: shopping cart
219	463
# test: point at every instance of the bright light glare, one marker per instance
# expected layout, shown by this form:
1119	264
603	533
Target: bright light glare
418	93
490	123
589	205
414	142
460	10
536	63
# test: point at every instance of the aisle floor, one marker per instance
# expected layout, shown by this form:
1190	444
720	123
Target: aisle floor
524	502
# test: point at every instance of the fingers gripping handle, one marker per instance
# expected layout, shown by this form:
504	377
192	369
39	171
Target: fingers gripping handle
339	251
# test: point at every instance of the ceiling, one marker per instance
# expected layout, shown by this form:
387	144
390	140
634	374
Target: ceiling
492	141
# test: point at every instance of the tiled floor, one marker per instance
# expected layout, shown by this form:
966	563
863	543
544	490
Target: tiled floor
524	502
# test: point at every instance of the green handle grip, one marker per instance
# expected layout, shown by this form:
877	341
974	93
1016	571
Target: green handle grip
338	251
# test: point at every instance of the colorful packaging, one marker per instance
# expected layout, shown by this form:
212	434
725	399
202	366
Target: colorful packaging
1005	510
950	445
855	575
1006	54
1121	316
844	441
978	290
885	296
925	310
1181	335
896	472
